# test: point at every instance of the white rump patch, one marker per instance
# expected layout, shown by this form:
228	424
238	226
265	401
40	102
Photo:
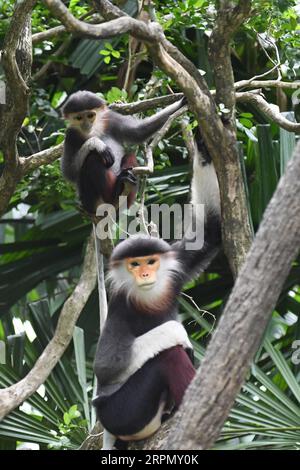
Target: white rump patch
205	186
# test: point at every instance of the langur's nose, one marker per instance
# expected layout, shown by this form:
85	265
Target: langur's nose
145	274
86	127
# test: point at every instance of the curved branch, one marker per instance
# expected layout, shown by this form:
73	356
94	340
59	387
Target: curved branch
48	34
268	110
121	25
14	395
108	10
266	84
59	30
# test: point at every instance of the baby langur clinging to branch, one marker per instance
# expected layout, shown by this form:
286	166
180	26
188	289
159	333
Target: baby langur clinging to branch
94	157
143	363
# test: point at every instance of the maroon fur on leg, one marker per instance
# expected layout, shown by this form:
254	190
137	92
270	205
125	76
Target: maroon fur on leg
108	191
178	371
128	161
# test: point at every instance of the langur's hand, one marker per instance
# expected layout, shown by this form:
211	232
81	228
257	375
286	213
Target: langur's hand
107	157
96	144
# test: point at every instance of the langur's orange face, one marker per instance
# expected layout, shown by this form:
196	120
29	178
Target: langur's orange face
144	270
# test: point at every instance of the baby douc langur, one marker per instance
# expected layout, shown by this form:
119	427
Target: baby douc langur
143	359
94	156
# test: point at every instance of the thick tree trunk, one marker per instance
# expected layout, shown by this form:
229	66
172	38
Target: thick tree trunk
17	59
211	395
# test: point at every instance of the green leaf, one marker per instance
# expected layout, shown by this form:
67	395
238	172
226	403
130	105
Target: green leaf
199	3
109	46
284	369
67	418
116	54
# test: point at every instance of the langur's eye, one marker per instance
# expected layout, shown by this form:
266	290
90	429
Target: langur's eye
134	264
78	118
91	115
151	261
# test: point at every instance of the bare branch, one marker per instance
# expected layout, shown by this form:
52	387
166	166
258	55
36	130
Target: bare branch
108	10
48	34
162	132
44	157
122	25
14	395
268	110
149	166
211	395
251	83
59	30
145	105
276	64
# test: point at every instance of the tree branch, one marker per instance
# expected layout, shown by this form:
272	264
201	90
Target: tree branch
228	20
14	395
122	25
211	395
266	84
145	105
44	157
36	160
95	440
222	146
109	12
268	110
48	34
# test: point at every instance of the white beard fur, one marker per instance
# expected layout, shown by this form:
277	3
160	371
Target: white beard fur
120	279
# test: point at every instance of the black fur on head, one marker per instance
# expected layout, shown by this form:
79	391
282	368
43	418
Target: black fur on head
139	245
81	101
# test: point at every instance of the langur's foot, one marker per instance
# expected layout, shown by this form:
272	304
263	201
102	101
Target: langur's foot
127	176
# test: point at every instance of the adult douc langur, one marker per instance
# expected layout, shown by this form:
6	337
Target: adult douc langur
94	156
143	362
